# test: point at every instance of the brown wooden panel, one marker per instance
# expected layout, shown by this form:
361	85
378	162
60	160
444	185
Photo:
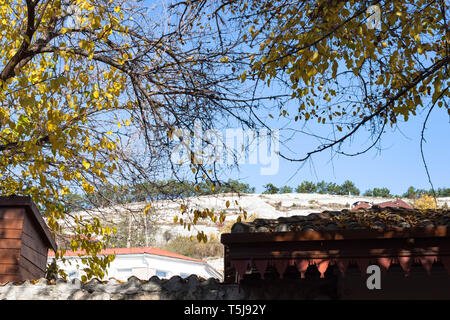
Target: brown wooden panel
275	252
33	256
32	234
38	246
388	247
10	233
29	228
12	213
10	256
9	269
10	243
9	278
31	212
36	271
248	237
11	223
32	238
27	275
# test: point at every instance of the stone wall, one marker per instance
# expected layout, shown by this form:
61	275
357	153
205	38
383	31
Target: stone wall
191	288
394	285
175	288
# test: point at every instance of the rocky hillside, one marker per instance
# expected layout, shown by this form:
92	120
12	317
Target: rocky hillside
159	223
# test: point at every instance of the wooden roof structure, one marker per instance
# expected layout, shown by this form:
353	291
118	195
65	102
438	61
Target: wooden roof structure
24	240
382	236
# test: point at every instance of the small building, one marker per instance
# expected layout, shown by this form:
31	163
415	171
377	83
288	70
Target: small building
327	254
141	262
24	240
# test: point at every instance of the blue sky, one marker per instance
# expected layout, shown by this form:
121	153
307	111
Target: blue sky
397	166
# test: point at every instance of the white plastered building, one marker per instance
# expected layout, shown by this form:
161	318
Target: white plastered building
142	262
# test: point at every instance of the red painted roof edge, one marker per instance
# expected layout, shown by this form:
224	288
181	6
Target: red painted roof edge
137	250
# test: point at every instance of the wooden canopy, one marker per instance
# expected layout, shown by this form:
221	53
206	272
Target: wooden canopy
24	240
404	246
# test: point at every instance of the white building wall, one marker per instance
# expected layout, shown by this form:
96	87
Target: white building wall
143	266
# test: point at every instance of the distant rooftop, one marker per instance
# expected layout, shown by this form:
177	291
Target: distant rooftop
397	203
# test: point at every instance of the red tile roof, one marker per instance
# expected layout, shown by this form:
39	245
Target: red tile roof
375	218
362	205
398	203
138	250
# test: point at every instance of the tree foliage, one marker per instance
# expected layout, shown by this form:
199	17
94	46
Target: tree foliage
348	187
199	250
306	187
379	192
285	189
91	94
108	195
270	189
58	78
322	187
414	193
96	93
425	202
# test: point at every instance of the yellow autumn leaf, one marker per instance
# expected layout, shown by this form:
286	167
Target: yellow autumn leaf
147	208
86	164
315	56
